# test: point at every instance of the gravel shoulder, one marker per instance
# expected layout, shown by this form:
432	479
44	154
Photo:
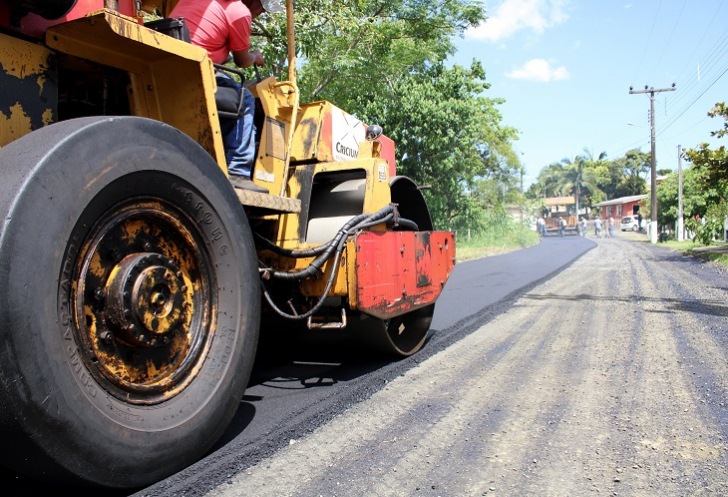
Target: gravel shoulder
610	377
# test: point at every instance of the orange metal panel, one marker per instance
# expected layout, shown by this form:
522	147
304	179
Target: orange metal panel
388	154
398	272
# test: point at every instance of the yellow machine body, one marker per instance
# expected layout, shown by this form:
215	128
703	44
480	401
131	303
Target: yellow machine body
135	279
313	158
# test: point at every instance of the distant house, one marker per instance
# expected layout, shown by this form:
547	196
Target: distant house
620	207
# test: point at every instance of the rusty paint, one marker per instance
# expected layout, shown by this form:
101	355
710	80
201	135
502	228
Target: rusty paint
398	272
14	125
29	96
142	300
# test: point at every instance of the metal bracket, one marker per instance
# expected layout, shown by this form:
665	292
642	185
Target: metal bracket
329	325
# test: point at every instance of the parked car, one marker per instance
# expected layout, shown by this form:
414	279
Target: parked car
629	223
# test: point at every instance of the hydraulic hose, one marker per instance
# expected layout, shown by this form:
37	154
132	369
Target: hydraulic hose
354	224
334	246
313	252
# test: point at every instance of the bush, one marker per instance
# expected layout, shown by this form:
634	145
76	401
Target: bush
709	228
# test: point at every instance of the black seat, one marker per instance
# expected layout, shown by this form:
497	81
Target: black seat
229	102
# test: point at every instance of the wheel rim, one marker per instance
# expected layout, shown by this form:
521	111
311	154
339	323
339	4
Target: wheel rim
143	301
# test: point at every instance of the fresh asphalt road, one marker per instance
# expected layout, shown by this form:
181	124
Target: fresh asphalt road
475	285
296	388
290	397
608	379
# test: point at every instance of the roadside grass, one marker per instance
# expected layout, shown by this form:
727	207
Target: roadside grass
494	242
717	252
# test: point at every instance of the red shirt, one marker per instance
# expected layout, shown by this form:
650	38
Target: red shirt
218	26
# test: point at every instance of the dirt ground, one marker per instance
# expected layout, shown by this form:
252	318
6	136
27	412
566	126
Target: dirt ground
609	379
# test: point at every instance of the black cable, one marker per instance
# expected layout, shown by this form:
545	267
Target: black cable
314	269
409	224
316	307
335	246
295	254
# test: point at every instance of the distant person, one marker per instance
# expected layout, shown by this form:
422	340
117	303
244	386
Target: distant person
598	227
639	221
562	225
611	227
582	225
541	227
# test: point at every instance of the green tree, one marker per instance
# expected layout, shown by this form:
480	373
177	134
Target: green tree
712	165
696	198
448	135
635	165
547	183
358	45
577	178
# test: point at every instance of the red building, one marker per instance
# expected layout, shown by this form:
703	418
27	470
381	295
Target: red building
620	207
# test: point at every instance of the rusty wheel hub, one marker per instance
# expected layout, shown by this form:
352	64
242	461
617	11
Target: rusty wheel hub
146	300
144	308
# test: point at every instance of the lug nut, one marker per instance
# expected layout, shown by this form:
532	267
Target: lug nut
100	293
107	336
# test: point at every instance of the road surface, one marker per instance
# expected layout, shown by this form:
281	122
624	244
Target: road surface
298	388
606	377
611	378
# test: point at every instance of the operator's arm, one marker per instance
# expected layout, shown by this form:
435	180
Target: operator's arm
246	58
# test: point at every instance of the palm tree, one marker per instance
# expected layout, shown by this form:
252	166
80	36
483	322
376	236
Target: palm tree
577	178
549	180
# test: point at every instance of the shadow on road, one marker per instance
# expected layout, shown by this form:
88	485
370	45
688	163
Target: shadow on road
712	308
298	359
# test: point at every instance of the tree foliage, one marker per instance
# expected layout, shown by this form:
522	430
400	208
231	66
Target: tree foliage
447	135
594	178
349	45
711	166
577	177
385	63
696	198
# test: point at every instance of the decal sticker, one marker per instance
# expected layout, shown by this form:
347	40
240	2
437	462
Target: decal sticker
265	176
382	171
347	132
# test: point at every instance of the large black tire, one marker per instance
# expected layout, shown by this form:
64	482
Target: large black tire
97	387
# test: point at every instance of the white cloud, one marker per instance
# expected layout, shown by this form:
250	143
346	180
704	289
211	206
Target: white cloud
512	16
539	70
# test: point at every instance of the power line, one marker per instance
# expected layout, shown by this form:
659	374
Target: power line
718	51
693	102
669	38
654	21
705	32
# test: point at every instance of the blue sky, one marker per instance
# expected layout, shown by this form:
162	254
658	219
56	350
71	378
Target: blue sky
564	68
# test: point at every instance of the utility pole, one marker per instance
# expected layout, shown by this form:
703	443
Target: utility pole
680	227
653	160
